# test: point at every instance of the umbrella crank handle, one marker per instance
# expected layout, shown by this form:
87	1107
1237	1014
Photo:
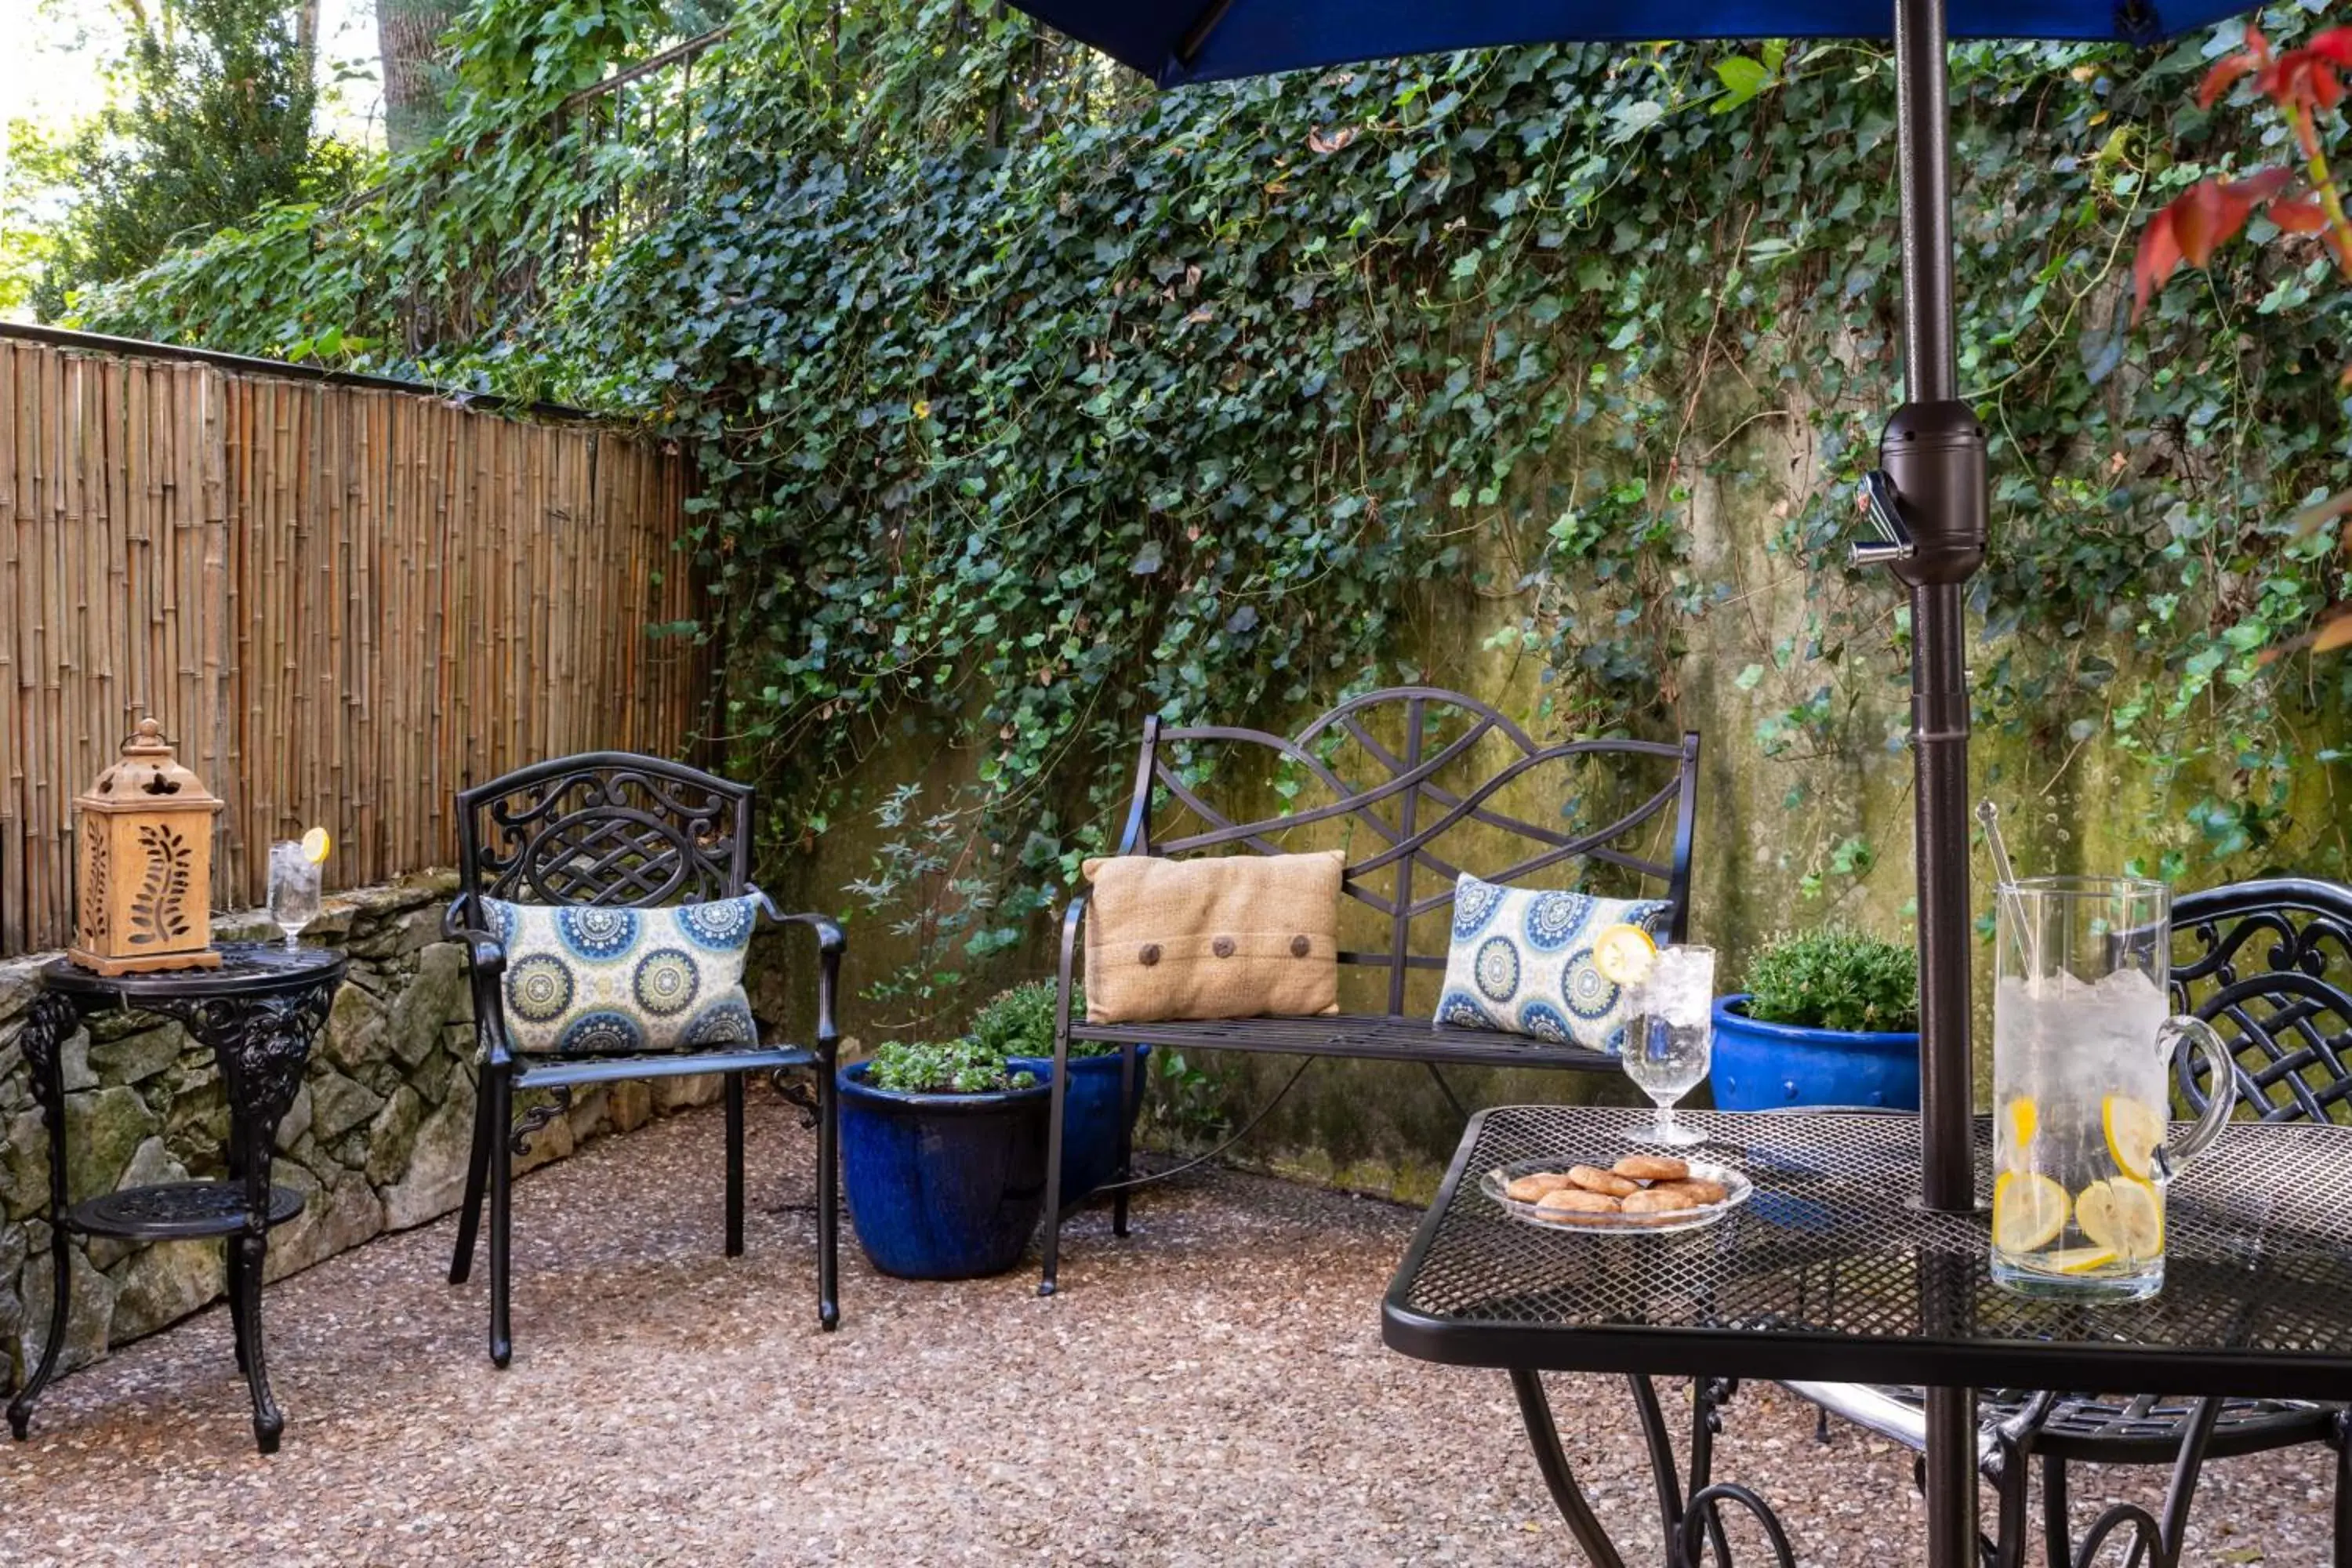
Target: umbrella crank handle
1890	539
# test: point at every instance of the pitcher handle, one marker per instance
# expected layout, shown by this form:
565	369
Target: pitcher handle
2174	1154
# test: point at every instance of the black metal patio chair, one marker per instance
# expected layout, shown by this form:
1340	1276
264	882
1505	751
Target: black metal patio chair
2269	965
618	830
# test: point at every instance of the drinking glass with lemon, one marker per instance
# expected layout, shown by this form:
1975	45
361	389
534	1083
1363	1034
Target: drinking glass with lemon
1670	1029
296	869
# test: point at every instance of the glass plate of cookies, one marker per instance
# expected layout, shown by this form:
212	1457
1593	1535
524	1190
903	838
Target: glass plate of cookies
1644	1192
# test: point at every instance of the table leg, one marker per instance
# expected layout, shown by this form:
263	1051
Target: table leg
1951	1478
268	1421
48	1023
261	1045
1543	1435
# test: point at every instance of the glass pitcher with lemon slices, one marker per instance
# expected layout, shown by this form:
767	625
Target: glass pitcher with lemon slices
2083	1044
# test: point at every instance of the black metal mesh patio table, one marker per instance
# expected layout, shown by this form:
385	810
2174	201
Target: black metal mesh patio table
1831	1271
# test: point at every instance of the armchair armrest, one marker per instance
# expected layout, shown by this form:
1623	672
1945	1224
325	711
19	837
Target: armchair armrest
487	951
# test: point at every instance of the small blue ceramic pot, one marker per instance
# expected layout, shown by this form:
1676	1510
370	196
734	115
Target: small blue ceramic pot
1089	1116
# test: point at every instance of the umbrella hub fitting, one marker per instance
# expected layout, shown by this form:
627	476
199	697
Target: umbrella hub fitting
1927	502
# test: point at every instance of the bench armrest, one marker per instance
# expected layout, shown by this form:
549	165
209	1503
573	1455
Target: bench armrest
831	944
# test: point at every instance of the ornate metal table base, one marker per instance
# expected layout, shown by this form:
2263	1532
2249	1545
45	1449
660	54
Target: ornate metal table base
260	1013
1692	1520
1687	1520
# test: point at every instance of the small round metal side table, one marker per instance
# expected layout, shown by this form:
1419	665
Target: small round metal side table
259	1014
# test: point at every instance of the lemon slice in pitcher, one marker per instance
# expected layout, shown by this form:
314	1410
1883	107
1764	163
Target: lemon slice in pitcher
2123	1216
1623	953
2029	1210
2020	1120
2078	1259
2135	1128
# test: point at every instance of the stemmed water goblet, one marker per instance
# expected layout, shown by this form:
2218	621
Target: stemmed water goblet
294	883
1670	1039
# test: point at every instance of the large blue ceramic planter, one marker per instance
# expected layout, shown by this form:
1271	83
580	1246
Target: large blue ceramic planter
1764	1067
1089	1116
942	1186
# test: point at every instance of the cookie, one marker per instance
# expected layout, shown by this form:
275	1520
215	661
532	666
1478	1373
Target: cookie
1593	1179
1576	1200
1530	1187
1660	1200
1700	1189
1652	1167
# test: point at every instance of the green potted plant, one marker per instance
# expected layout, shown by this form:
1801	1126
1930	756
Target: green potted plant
1831	1017
1020	1024
942	1157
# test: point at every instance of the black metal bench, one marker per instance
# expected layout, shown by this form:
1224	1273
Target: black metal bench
617	829
1440	767
2269	965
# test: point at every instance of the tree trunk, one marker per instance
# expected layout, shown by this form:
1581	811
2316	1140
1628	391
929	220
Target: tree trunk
415	79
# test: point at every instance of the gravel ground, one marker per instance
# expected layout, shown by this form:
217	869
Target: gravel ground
1211	1390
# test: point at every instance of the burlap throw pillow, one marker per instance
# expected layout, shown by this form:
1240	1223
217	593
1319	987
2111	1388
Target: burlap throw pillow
1230	938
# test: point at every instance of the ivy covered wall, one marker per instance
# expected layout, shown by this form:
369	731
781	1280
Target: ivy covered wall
1026	401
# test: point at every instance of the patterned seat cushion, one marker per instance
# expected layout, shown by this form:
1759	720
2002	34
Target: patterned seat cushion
1521	962
582	979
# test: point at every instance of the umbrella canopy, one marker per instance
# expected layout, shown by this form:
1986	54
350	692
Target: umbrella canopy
1179	41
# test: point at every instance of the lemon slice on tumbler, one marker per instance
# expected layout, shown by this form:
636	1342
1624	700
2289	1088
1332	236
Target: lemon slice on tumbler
315	845
2135	1128
2123	1216
1624	954
2029	1210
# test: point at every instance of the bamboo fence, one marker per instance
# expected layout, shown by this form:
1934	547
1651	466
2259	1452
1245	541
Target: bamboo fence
344	603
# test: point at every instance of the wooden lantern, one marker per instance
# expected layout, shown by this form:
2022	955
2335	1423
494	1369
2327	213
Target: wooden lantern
146	849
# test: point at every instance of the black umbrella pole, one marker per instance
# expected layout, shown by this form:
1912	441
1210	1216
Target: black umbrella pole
1934	451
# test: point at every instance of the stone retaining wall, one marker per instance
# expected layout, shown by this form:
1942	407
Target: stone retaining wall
377	1138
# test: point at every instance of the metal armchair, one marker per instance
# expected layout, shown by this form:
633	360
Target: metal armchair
615	829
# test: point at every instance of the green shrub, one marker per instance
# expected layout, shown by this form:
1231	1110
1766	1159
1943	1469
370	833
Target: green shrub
1020	1022
1835	979
942	1066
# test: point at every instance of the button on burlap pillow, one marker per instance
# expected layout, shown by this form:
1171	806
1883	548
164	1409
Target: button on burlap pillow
1230	938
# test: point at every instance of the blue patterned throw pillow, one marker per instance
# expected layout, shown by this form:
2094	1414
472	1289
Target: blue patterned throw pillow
1521	962
585	981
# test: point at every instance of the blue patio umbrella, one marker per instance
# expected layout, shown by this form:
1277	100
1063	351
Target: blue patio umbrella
1927	500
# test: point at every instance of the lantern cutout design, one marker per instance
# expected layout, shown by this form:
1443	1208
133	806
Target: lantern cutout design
146	873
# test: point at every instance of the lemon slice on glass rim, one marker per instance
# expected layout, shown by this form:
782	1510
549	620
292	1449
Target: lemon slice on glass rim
315	846
2134	1128
2029	1210
1624	954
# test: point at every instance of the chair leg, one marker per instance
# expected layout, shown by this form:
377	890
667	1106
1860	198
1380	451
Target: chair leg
828	1195
734	1164
1125	1162
2057	1529
498	1089
1047	1285
477	1171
